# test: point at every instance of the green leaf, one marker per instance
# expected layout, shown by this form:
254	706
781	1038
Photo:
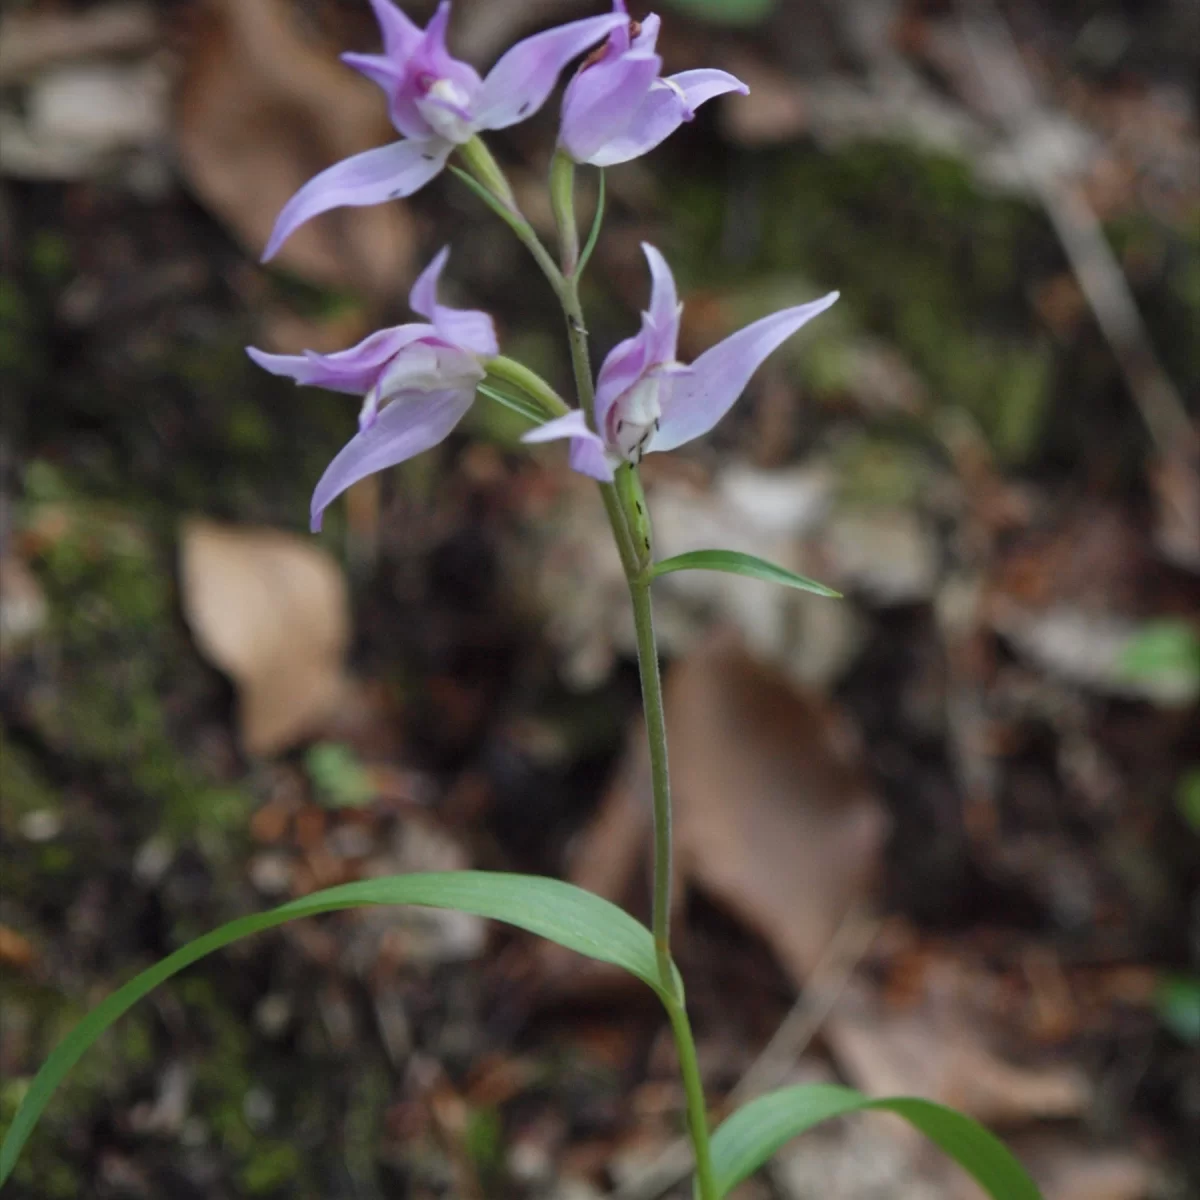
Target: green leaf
513	220
594	234
736	563
752	1134
510	400
1167	653
550	908
340	779
727	12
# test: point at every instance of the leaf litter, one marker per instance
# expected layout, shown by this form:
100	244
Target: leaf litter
976	656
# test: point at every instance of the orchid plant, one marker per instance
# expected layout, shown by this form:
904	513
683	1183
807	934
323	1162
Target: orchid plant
418	380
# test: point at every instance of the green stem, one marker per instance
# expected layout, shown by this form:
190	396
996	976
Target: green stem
626	508
562	200
693	1089
581	363
656	734
489	182
487	170
530	382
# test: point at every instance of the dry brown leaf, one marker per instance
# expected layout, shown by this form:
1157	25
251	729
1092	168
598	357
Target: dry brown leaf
32	41
940	1048
271	609
16	950
776	819
773	818
1067	1168
261	111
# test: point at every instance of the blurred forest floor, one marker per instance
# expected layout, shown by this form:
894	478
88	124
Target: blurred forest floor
945	833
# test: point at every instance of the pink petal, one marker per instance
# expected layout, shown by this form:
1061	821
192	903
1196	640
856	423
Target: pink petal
601	101
622	368
587	448
588	458
429	62
518	85
378	68
664	308
692	404
655	344
422	298
354	370
662	112
368	178
400	35
569	425
466	328
433	45
413	422
647	38
704	84
400	41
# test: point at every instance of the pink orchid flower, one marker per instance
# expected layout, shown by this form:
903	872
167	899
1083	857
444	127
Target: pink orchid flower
619	107
647	401
417	381
437	102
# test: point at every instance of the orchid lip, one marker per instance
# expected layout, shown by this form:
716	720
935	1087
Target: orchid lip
635	418
445	107
370	410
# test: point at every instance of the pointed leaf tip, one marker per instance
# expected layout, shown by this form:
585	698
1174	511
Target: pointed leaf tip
752	1135
561	912
733	562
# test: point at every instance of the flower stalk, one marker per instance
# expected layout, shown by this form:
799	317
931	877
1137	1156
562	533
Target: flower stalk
518	375
480	162
562	200
418	380
625	504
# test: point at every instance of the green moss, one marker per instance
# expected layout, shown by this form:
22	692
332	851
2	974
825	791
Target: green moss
484	1141
119	652
272	1165
921	255
46	1167
23	786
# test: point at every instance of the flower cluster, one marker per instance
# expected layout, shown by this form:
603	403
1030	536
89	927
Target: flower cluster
418	380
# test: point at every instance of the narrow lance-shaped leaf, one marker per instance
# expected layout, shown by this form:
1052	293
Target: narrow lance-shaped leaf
594	234
555	910
733	562
510	400
511	219
752	1134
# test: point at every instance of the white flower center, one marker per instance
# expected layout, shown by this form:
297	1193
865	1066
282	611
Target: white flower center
444	106
634	419
420	367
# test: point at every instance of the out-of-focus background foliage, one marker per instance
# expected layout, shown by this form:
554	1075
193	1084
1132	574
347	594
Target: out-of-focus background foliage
950	825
